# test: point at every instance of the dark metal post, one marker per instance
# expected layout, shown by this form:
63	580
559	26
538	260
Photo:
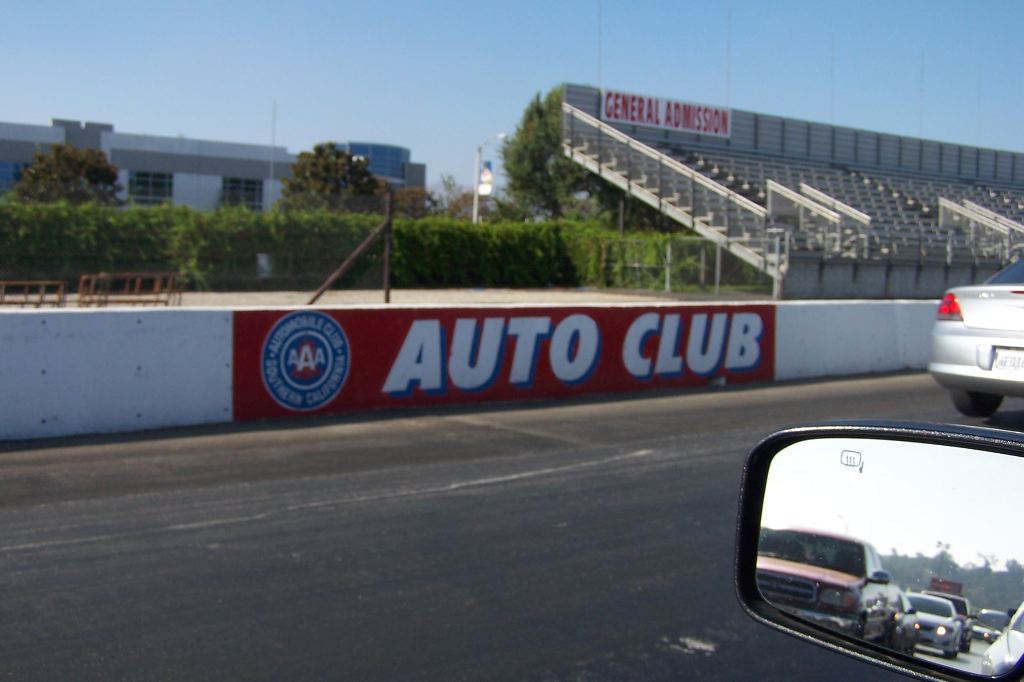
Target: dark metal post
389	215
718	268
333	277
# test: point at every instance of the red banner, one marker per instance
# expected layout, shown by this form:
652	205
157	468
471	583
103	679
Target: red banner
341	360
687	117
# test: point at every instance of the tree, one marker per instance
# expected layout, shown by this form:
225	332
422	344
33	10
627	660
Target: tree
413	202
541	180
66	173
455	201
330	177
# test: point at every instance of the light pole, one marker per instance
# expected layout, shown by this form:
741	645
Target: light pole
476	175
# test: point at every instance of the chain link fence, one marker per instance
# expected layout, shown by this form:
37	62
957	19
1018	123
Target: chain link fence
679	264
235	249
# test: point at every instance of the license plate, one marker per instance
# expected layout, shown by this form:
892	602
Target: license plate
1009	359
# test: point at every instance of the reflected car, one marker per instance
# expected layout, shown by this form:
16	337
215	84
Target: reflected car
906	630
1004	653
940	628
832	580
978	342
963	614
989	624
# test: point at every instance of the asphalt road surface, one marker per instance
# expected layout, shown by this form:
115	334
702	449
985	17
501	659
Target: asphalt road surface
968	662
589	541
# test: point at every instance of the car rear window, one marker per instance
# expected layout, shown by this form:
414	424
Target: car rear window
994	619
817	550
959	604
933	605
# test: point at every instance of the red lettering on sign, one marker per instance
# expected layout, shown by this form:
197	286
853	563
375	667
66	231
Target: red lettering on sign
655	112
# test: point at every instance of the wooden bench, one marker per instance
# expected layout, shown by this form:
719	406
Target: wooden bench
129	288
32	293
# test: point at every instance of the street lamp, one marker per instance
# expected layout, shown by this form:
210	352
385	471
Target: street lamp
476	175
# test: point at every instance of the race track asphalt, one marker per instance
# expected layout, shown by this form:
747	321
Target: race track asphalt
587	541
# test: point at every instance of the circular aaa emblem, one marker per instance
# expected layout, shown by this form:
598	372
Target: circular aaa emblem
305	360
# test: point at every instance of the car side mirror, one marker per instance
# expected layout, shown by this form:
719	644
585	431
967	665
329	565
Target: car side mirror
816	501
911	611
880	577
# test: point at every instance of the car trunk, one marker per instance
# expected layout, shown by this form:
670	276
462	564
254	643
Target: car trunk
993	307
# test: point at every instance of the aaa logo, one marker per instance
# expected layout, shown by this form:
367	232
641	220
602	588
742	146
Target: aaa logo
305	360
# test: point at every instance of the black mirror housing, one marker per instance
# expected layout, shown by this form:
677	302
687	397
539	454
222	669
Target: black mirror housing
880	577
749	529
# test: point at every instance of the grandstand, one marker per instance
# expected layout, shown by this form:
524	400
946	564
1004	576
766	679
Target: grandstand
826	211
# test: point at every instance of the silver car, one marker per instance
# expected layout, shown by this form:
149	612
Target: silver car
1007	649
978	342
989	625
939	627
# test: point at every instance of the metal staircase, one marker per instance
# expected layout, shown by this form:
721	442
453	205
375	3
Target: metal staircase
712	210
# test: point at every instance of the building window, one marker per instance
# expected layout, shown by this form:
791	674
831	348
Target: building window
148	189
10	173
385	161
242	192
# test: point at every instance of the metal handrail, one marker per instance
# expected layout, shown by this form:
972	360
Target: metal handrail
833	203
1002	220
972	215
801	200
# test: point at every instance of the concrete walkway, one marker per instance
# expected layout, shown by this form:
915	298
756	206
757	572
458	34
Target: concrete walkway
452	297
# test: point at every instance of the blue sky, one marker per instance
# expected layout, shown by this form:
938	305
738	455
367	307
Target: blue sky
442	78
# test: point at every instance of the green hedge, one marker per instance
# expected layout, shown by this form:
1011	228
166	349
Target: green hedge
218	249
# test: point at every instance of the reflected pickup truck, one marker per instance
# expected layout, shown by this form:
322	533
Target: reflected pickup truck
832	580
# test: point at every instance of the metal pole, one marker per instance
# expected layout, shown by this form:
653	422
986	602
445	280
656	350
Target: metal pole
273	142
476	184
333	277
389	214
718	267
600	30
668	265
776	289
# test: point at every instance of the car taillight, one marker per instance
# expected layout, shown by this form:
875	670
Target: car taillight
949	308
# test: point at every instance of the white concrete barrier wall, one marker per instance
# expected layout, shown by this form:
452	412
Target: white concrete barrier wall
836	338
86	371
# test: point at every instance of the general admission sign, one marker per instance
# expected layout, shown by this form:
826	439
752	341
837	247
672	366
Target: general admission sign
667	114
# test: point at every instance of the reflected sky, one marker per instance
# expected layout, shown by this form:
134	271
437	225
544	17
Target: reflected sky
907	496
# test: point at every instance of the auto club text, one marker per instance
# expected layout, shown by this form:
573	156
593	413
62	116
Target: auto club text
655	345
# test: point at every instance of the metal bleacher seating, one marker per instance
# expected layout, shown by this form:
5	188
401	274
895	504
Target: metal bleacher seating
903	209
764	209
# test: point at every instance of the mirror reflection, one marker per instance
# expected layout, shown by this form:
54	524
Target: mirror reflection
909	545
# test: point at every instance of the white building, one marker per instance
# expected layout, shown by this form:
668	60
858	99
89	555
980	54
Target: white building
203	174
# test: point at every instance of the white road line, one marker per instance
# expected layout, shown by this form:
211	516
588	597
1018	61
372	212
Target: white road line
478	482
481	422
434	490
